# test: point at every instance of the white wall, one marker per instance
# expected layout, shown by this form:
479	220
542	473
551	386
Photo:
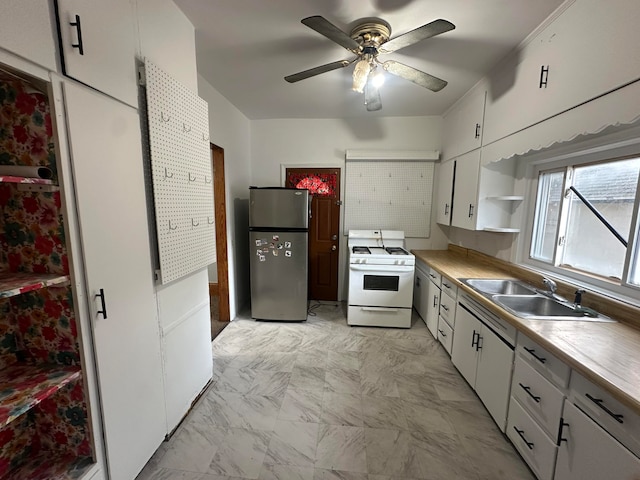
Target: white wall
322	142
230	130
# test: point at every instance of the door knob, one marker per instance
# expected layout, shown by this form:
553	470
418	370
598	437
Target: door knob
333	248
334	237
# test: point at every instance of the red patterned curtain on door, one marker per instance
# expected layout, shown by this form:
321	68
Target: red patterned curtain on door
320	184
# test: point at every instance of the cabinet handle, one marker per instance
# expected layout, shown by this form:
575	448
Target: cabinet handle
445	308
442	333
102	312
418	282
446	209
528	390
477	130
470	210
432	276
533	354
78	45
435	300
562	425
446	285
599	402
521	433
544	76
474	341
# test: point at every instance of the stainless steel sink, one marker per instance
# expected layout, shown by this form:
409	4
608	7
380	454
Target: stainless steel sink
492	286
539	307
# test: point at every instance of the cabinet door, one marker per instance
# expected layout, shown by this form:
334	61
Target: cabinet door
432	301
445	192
588	451
104	53
493	375
464	353
465	191
26	30
463	125
105	147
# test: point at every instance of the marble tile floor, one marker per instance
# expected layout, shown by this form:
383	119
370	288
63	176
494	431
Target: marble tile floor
320	400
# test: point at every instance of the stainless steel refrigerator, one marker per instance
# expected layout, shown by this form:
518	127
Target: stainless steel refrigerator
278	236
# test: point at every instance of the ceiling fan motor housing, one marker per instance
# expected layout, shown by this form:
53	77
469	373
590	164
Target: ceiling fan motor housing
371	34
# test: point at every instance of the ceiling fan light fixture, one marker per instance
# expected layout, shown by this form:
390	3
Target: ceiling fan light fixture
361	75
377	78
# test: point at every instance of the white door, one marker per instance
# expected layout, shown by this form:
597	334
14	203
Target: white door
465	190
464	353
105	146
493	376
98	45
445	192
587	451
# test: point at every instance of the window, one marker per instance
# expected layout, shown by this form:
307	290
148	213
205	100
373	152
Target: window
584	220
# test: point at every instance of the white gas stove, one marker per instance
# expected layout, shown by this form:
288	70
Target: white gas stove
380	279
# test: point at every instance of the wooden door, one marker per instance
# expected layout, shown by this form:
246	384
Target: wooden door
324	248
106	155
220	207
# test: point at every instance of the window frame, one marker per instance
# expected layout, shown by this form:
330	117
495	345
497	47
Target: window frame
575	157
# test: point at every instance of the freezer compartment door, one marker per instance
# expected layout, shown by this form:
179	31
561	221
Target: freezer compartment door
278	208
278	275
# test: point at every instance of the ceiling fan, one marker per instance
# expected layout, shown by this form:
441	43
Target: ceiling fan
367	40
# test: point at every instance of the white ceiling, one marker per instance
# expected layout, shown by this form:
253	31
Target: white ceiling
245	48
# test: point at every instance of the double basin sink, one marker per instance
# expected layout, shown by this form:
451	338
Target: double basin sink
524	301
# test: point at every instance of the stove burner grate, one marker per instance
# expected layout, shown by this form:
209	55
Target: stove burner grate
361	250
396	251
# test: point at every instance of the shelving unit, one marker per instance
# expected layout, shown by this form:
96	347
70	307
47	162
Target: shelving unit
24	180
507	211
501	229
507	197
12	284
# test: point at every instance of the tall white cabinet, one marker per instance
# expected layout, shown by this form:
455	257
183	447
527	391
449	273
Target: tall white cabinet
105	145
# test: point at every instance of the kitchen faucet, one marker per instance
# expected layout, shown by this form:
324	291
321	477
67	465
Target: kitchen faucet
577	303
551	287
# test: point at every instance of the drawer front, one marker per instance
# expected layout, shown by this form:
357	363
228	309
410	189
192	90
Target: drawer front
445	335
538	396
530	440
619	420
547	364
434	276
449	287
448	309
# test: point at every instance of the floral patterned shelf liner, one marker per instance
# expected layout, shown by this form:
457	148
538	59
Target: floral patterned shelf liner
44	467
12	179
18	283
22	387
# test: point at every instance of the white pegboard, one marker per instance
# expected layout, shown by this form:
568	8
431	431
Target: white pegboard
393	195
181	173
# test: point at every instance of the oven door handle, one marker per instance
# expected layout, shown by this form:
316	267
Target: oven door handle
382	269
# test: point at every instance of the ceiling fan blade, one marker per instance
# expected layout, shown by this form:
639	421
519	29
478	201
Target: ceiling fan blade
329	30
414	36
312	72
372	98
413	75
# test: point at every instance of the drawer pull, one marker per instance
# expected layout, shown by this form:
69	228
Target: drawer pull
442	333
432	275
533	354
446	285
528	390
599	402
445	308
521	433
435	301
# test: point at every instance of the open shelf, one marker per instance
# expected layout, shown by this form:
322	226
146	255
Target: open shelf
27	180
44	467
22	387
18	283
501	230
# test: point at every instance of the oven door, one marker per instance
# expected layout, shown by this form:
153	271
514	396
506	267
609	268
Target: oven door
381	285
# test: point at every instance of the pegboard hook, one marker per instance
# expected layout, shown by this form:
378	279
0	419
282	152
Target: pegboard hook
163	118
166	174
206	139
192	179
207	181
210	220
194	224
172	228
184	128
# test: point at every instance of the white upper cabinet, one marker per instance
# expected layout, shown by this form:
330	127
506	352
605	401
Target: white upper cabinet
463	125
98	46
445	192
27	31
465	191
588	50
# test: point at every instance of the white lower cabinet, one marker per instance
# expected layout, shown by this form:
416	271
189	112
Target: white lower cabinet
426	298
483	358
587	452
535	447
445	335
